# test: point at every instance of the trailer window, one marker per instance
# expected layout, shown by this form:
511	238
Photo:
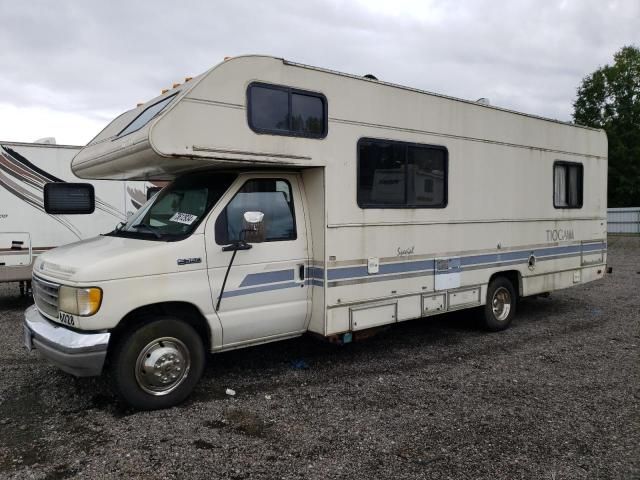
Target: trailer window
269	196
567	185
401	175
279	110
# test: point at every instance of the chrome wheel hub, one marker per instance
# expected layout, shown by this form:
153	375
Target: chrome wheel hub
162	365
501	304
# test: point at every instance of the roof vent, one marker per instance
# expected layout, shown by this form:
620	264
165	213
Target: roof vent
370	77
46	141
483	101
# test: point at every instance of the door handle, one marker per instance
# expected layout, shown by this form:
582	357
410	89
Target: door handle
301	272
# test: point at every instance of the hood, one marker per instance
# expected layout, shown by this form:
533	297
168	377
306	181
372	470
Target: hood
110	258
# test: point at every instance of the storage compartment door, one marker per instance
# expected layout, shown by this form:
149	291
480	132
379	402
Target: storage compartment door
373	316
15	249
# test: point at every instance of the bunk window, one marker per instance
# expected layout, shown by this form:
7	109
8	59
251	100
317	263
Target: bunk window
146	115
281	110
567	185
401	175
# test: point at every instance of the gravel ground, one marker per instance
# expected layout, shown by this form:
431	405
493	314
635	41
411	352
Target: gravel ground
555	397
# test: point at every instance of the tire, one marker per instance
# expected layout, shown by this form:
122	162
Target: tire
500	307
158	363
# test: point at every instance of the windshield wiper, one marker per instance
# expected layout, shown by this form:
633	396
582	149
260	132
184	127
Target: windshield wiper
146	228
118	228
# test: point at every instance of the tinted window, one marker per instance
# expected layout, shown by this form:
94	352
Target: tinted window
306	114
426	172
285	111
269	196
567	185
270	109
382	174
146	115
401	175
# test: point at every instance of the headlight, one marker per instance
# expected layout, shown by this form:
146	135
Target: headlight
79	301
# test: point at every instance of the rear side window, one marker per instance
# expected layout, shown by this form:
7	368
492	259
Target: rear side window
270	196
567	185
401	175
282	110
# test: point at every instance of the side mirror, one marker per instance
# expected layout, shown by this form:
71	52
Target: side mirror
69	198
253	227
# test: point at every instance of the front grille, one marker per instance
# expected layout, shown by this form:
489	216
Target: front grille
45	295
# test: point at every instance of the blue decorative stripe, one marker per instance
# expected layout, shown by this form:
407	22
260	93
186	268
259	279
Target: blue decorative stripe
456	264
264	288
274	286
348	272
267	277
406	267
594	246
315	272
268	281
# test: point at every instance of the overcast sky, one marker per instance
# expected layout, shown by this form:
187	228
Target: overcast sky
68	67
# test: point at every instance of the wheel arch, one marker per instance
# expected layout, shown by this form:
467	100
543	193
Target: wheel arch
514	276
185	311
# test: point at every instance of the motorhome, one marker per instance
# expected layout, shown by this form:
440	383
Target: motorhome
26	230
308	200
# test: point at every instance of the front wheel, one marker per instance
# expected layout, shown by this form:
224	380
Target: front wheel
501	304
157	364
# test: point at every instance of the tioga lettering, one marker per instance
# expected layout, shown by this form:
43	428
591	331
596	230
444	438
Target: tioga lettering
559	234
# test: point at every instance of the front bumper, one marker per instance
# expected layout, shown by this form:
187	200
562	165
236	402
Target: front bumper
80	354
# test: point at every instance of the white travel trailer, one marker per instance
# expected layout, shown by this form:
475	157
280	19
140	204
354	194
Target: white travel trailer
307	200
26	230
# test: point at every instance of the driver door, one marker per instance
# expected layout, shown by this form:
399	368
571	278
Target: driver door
265	295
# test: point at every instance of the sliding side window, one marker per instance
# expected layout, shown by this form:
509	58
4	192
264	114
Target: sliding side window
281	110
567	185
401	175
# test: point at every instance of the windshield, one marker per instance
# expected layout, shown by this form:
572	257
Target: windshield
178	208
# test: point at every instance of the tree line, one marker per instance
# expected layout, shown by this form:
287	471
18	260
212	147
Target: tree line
609	98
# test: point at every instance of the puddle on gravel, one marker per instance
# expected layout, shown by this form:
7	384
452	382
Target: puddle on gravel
216	424
61	472
246	422
203	445
241	421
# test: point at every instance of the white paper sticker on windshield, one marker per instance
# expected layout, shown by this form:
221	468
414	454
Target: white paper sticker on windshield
185	218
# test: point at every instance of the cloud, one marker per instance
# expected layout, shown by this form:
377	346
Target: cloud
95	59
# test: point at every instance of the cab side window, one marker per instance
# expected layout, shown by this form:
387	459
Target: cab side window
272	197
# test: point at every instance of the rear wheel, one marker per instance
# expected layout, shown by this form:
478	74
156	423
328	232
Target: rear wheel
500	307
157	364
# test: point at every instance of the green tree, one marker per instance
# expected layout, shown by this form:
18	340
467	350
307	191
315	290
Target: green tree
609	98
